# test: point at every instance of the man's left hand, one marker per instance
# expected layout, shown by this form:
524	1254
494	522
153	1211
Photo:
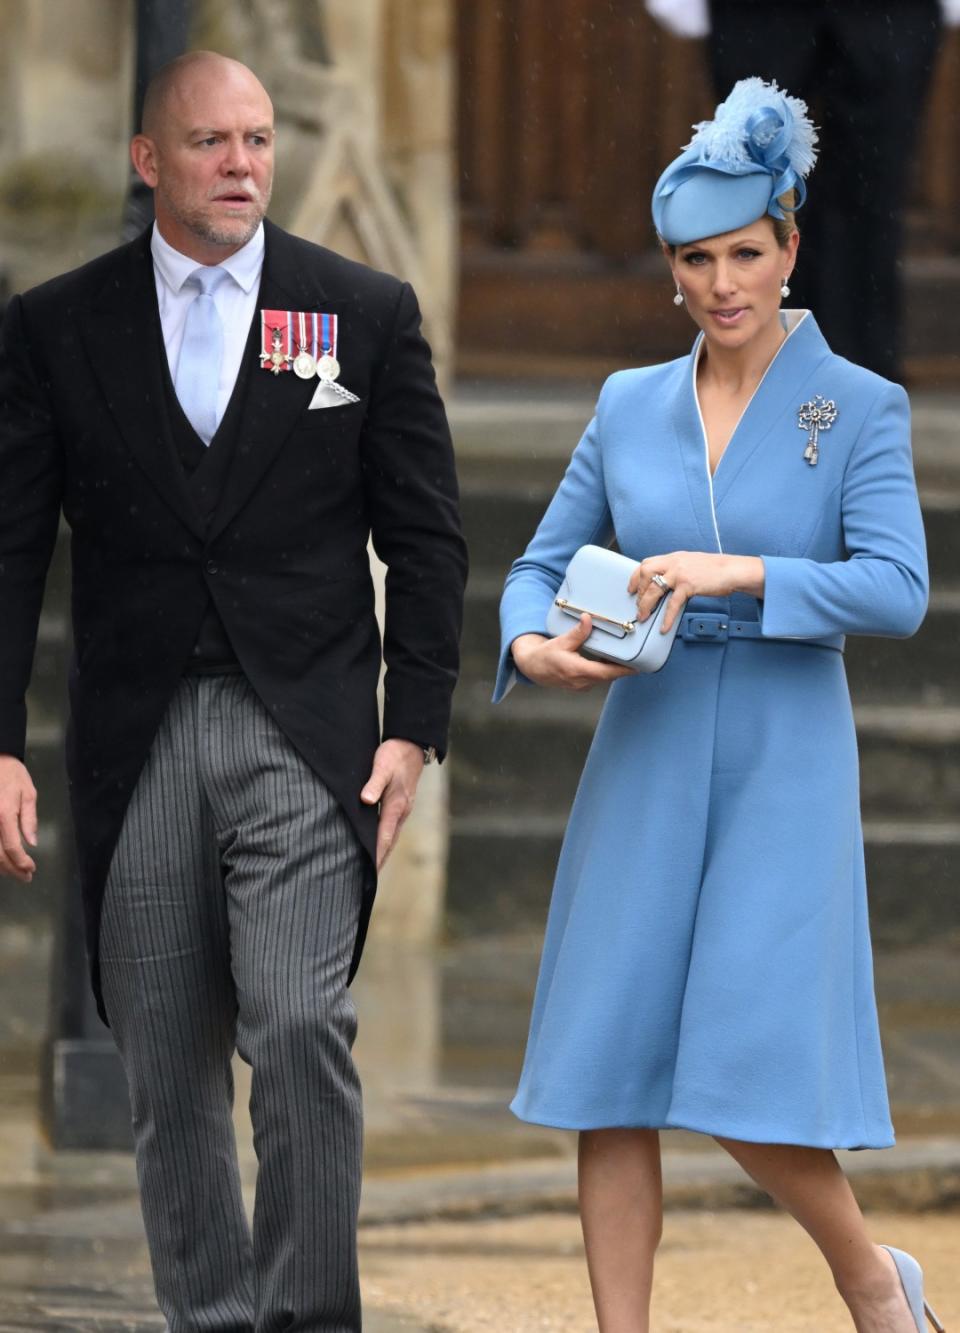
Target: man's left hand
397	766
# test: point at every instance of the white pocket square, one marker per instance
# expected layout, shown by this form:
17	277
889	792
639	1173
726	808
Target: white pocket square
325	395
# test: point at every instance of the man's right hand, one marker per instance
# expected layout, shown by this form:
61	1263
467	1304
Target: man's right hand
558	662
18	819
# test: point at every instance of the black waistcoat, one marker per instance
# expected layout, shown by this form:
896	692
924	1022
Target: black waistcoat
206	468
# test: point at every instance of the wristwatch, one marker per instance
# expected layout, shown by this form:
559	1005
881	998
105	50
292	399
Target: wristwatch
429	754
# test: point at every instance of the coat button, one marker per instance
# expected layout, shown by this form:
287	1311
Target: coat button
212	567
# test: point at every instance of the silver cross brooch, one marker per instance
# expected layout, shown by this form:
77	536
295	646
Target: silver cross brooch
817	415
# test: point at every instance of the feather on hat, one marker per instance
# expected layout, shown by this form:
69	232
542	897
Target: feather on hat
760	144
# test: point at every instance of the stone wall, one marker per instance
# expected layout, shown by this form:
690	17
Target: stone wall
65	94
364	100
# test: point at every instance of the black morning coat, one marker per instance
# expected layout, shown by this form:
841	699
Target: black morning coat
83	429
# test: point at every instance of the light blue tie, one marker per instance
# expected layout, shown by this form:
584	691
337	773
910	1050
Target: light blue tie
201	353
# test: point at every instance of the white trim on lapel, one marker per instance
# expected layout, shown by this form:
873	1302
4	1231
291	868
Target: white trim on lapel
791	320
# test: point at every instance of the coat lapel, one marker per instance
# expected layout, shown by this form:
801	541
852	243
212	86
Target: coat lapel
789	379
274	403
124	342
774	405
691	444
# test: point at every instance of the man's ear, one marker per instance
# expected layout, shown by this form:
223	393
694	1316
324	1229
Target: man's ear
143	155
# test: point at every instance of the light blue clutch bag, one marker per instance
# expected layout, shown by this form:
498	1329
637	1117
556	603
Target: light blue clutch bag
596	582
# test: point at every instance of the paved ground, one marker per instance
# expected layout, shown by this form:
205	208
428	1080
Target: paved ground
468	1220
83	1268
551	417
439	1255
729	1272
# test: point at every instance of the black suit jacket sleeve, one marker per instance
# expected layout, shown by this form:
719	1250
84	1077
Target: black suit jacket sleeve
31	485
411	490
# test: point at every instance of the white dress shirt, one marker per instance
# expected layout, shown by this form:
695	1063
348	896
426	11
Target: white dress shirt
236	303
687	18
691	18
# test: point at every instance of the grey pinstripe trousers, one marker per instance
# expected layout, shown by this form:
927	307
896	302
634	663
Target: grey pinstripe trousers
229	919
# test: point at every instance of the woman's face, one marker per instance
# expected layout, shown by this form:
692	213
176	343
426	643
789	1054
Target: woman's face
731	283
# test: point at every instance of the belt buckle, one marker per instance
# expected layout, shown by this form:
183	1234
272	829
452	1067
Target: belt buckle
712	629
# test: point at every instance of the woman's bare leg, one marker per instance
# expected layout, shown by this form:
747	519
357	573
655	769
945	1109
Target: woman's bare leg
809	1184
621	1211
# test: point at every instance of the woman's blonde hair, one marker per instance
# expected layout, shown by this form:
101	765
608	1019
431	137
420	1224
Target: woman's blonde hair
783	228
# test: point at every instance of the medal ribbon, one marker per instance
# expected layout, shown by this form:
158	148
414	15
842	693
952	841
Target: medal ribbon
270	322
324	338
302	321
328	334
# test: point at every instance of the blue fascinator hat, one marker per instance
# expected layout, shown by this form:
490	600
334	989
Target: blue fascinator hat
760	144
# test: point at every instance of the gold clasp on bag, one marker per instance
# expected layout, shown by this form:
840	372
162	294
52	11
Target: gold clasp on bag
628	626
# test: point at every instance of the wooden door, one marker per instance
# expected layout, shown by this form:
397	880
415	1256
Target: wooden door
568	110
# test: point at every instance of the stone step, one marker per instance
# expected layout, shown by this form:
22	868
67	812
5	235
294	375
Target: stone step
941	520
36	904
501	513
524	754
918	670
47	681
499	520
922	669
913	869
527	753
538	339
530	428
909	761
33	905
501	870
45	749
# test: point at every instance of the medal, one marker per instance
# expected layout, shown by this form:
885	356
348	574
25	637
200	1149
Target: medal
817	415
304	342
277	359
275	341
328	367
305	362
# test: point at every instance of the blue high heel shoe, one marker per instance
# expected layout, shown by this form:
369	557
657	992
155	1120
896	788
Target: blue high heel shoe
911	1279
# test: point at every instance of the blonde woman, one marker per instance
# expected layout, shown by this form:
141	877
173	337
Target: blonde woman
707	961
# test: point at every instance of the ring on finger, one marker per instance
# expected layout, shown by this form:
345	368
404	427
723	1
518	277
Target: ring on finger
661	582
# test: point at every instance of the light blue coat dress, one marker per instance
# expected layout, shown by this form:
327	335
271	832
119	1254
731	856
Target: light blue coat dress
707	960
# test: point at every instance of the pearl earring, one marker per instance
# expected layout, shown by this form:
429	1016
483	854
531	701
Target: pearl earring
678	299
784	289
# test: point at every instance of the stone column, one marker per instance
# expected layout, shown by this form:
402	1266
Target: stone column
380	192
65	79
418	150
65	97
415	115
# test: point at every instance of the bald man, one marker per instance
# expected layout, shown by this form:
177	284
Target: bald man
225	414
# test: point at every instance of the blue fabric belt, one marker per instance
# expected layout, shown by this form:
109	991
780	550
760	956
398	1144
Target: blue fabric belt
711	628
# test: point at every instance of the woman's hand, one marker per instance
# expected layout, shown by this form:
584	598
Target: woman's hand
693	574
558	661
